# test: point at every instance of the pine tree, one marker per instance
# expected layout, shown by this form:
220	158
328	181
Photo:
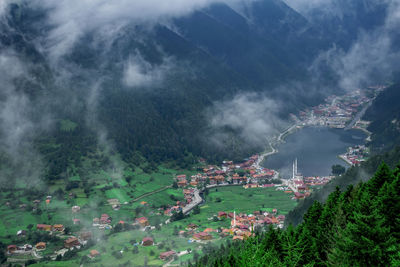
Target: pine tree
365	241
384	174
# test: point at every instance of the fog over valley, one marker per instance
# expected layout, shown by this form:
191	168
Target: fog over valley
157	133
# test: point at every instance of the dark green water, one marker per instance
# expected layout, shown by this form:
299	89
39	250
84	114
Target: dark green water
316	149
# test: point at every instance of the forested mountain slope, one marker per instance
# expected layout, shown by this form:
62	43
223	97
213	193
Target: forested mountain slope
179	69
385	116
148	89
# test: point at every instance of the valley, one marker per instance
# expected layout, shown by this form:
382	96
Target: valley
181	214
199	133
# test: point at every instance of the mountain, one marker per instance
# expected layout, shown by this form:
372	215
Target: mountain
148	89
345	20
210	55
385	116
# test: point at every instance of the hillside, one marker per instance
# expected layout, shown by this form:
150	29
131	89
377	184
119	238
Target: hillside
145	89
355	227
353	176
385	116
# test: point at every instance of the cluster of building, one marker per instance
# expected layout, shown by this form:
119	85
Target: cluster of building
337	111
356	154
70	243
243	225
317	180
53	228
228	172
104	222
24	249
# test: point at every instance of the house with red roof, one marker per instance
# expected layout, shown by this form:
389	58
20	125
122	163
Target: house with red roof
147	241
105	218
43	227
143	221
202	236
222	214
167	255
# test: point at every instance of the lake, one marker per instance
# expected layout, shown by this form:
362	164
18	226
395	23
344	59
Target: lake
316	150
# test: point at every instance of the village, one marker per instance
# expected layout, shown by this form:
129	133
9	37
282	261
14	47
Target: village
248	175
219	225
355	155
339	111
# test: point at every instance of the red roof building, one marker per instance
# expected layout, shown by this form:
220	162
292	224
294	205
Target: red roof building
147	241
167	255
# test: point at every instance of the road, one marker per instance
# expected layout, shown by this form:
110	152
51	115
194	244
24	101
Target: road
274	150
359	115
346	160
286	131
197	200
264	155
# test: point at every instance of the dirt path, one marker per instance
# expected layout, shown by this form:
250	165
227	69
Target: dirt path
152	192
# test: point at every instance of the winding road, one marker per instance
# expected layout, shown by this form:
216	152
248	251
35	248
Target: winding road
197	200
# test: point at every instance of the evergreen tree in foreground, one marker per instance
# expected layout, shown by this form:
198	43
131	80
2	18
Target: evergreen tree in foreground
358	227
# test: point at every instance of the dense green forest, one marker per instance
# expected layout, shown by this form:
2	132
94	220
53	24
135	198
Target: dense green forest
358	226
211	55
385	116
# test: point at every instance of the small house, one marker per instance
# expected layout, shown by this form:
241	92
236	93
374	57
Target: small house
180	177
182	183
143	221
147	241
75	208
202	236
40	246
167	255
21	233
222	214
192	226
105	219
11	249
58	227
43	227
71	242
27	247
94	253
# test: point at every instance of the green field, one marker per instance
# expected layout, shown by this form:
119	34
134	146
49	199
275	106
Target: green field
236	198
132	184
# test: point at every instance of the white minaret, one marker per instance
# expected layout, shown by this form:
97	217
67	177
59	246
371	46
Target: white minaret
293	170
234	218
295	167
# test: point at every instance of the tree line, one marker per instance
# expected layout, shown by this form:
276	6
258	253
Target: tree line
359	226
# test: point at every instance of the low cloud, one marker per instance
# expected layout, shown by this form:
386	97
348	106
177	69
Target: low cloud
253	116
332	8
140	73
70	20
17	127
372	57
3	6
14	108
